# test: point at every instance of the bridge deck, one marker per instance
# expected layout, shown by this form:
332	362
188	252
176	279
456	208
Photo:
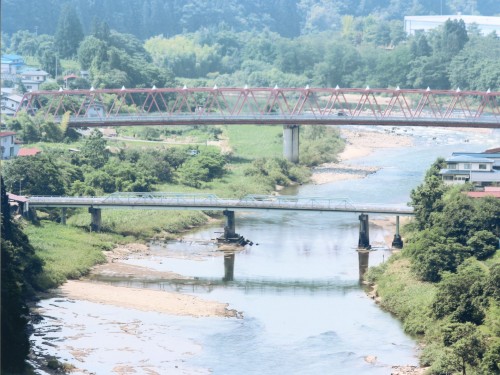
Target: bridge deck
212	202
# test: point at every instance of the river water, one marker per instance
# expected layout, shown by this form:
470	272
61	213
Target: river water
303	308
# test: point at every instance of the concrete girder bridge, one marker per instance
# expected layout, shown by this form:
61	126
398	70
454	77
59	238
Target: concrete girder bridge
175	201
289	107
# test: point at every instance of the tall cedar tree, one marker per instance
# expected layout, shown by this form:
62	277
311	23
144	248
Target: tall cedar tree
20	267
69	32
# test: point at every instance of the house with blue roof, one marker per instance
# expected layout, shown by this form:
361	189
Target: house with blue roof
480	169
11	64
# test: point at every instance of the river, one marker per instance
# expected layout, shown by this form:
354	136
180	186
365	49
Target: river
303	308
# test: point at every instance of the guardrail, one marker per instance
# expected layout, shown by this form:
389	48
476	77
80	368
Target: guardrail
212	202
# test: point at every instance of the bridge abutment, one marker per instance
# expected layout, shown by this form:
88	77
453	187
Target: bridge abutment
291	143
397	242
95	222
364	232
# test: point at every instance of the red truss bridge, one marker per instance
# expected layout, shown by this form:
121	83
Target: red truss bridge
270	106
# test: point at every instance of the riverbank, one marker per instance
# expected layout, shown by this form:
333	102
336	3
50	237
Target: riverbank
358	144
174	303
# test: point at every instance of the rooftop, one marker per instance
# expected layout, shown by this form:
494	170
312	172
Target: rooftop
468	19
6	134
468	159
28	151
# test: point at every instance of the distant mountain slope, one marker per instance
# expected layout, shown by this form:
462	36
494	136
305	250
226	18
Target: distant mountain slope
289	18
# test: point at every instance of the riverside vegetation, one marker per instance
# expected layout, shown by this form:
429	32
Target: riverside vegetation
68	252
289	43
445	284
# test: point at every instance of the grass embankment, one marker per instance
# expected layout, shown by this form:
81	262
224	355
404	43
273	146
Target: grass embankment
68	252
402	294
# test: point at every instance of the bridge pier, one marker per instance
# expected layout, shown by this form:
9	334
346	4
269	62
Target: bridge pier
230	227
228	267
95	223
291	143
397	242
63	216
364	232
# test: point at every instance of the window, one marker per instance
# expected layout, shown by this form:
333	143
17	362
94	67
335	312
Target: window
448	178
482	166
452	166
466	165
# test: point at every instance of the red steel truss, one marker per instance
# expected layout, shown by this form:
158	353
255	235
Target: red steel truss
201	105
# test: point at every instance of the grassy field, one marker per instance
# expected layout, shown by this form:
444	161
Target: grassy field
143	224
68	252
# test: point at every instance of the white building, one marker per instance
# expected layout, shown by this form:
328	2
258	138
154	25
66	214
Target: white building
33	78
480	169
8	145
9	103
415	24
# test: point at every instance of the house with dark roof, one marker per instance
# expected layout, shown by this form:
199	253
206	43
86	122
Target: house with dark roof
9	103
480	169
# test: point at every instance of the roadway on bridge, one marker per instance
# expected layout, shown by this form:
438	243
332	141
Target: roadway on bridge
176	201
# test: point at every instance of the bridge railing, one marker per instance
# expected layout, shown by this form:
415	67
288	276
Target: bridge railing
211	201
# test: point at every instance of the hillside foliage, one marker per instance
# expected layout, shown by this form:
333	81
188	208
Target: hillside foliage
444	285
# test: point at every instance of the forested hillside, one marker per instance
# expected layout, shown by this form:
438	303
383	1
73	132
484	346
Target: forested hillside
290	18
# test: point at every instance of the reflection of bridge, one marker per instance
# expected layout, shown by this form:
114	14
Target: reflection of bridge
289	107
229	206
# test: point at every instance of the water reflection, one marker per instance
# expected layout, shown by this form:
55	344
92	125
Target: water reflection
229	267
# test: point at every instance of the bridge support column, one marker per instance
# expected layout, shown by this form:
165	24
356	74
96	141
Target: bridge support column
291	143
63	216
229	267
95	223
364	232
230	227
397	242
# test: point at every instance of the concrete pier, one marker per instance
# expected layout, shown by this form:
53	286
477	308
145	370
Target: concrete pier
230	227
397	242
63	216
95	223
364	232
291	143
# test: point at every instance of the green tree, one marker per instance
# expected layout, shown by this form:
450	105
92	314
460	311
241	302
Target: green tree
427	198
460	295
92	49
69	32
466	342
94	149
19	269
39	175
483	244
